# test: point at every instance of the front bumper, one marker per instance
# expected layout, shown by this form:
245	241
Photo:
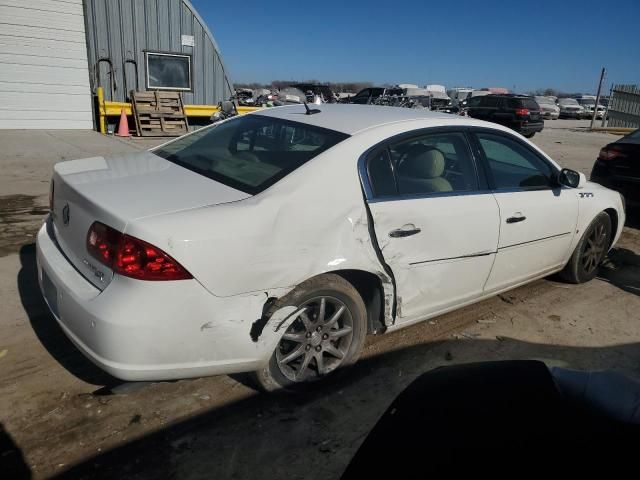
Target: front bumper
571	114
143	331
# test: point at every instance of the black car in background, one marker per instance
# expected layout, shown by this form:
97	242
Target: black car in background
618	167
518	112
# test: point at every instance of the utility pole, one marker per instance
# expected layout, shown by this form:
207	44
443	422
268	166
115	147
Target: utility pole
595	108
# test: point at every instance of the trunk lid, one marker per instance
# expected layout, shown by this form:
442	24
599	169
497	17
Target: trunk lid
117	190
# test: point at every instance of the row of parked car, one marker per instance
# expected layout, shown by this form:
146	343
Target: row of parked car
523	113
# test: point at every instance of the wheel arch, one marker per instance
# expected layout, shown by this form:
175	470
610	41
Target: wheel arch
613	215
370	288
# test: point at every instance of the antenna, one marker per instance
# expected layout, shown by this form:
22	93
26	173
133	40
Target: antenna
310	111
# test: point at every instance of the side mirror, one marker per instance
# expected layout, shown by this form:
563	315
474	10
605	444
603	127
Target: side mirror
571	178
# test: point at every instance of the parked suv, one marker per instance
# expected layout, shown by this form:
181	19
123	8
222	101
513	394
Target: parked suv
519	112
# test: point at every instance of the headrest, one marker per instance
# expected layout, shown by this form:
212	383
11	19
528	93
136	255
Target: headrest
429	163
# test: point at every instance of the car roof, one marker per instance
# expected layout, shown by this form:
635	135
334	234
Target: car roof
351	119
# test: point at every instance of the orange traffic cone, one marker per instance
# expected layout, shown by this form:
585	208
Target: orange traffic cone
123	127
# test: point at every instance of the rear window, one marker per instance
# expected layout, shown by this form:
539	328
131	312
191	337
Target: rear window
635	134
523	103
250	153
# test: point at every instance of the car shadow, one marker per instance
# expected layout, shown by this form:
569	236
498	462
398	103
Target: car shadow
12	463
314	433
47	329
622	269
633	218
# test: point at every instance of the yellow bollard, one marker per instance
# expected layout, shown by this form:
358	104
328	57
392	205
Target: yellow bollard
101	111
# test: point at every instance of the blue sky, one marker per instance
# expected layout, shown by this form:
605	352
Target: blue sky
561	44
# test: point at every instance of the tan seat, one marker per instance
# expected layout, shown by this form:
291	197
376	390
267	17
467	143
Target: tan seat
421	172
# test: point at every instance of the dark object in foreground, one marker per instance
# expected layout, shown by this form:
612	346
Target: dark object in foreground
499	418
618	167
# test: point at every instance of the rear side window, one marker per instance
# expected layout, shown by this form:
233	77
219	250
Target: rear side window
514	165
381	175
529	103
490	101
429	163
250	153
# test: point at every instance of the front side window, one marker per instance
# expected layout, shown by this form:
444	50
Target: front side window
428	164
168	71
514	165
250	153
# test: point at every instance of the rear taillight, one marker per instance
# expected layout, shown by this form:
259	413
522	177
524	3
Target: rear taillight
610	153
132	257
522	112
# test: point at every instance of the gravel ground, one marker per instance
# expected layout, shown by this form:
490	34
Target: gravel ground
59	416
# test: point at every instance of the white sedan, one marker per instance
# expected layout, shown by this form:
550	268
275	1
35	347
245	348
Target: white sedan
274	242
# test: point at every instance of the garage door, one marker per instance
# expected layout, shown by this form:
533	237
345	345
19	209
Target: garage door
44	77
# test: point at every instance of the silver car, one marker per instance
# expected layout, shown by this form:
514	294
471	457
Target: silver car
548	107
570	108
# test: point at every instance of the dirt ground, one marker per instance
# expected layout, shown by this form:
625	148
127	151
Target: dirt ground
61	416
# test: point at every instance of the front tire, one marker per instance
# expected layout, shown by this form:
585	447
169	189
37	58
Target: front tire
590	251
327	335
528	135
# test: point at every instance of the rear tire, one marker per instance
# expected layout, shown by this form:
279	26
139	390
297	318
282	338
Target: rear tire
590	251
328	335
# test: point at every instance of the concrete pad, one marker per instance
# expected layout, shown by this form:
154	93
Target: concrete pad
27	156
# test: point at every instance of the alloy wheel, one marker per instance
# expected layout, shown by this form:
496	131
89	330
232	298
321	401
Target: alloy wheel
594	249
318	340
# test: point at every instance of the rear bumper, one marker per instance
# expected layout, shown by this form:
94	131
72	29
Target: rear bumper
143	331
530	127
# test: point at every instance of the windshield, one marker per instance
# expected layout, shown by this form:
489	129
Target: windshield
586	101
250	153
568	101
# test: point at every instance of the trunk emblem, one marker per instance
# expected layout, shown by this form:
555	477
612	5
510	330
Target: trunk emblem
66	215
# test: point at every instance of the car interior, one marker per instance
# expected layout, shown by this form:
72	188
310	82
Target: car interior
434	163
250	153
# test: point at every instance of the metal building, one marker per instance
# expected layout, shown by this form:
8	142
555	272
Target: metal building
55	53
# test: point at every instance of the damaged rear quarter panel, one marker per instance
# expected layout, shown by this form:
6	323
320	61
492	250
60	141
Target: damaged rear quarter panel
311	222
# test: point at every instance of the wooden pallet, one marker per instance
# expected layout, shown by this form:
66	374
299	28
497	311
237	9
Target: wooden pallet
159	114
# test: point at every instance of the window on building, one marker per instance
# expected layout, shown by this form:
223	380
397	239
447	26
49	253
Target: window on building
168	71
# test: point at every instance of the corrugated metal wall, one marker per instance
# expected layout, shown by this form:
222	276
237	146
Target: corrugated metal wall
121	30
43	65
624	106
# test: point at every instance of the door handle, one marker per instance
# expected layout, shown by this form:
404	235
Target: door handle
516	219
404	232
